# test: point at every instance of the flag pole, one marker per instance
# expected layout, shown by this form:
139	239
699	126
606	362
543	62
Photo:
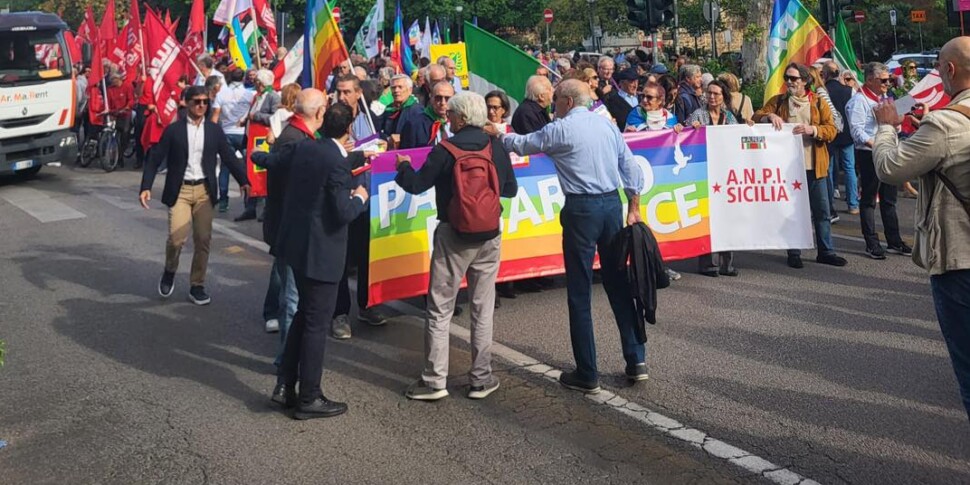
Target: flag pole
259	61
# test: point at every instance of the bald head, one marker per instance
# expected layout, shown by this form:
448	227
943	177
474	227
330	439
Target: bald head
955	65
311	104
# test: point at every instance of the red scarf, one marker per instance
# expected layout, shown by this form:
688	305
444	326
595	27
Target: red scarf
298	123
871	95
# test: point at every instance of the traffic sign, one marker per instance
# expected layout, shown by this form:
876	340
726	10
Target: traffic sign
336	14
712	10
917	16
859	16
892	18
547	15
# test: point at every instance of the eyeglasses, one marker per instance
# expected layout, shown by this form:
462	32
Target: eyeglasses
649	97
199	101
792	79
441	99
885	80
494	107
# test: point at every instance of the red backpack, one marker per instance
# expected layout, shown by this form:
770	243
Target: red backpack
474	207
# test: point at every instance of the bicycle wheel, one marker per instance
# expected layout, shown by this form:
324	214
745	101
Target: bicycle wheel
109	150
89	151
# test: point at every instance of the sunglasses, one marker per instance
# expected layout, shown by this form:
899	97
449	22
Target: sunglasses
441	99
199	101
649	97
792	79
885	80
596	78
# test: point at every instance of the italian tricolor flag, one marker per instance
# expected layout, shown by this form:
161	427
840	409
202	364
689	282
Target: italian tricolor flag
496	64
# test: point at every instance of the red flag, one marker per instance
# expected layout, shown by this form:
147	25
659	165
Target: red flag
133	54
115	51
193	43
165	66
168	20
266	19
109	30
175	25
73	48
88	31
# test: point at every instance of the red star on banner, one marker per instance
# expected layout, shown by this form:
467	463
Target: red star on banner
796	185
717	188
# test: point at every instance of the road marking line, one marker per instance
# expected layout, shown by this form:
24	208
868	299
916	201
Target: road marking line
39	205
696	438
671	427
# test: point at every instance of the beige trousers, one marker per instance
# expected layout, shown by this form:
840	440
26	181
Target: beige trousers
192	210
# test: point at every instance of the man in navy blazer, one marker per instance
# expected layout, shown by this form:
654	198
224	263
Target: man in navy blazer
312	240
190	147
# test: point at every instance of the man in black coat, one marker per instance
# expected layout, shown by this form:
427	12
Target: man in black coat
281	295
318	205
432	126
622	101
841	150
533	113
190	146
404	107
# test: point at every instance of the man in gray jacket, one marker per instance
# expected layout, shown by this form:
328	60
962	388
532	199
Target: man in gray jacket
938	151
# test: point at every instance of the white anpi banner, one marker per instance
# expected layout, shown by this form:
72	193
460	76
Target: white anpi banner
757	188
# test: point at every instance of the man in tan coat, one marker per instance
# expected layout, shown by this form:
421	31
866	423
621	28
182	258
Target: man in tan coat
813	123
939	154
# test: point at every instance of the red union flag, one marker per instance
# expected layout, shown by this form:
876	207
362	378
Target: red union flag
266	20
165	66
929	91
193	43
88	31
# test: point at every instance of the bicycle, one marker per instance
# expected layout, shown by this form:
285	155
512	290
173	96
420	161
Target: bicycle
108	144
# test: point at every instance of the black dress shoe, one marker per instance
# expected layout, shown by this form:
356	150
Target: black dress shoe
831	259
728	272
319	408
246	216
284	396
712	273
795	261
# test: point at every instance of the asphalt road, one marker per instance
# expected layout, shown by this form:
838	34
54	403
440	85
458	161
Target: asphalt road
837	374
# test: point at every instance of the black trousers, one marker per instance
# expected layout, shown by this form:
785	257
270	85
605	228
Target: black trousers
871	187
358	254
307	337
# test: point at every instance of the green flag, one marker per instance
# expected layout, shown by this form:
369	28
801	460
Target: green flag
844	53
496	64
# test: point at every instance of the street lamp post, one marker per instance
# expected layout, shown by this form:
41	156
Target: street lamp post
459	8
592	28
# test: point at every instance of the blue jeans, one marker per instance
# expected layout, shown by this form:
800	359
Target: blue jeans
286	300
236	142
818	200
588	224
951	294
843	157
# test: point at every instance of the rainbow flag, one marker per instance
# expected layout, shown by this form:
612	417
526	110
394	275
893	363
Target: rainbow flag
402	225
795	36
323	45
401	49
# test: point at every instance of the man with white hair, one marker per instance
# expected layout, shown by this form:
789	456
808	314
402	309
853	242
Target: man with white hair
433	74
450	72
605	67
207	68
459	252
592	162
862	126
266	103
404	107
532	115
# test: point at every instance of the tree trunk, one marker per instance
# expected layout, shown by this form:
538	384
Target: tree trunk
754	50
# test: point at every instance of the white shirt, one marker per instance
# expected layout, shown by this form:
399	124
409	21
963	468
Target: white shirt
196	137
862	120
234	102
200	79
456	82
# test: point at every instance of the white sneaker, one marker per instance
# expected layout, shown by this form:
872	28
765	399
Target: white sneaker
272	325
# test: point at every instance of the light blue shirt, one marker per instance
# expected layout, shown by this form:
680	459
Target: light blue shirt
862	120
630	99
590	154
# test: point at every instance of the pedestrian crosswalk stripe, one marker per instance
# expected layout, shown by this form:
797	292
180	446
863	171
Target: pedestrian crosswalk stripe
39	205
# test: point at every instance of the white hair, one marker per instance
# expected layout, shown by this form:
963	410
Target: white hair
470	106
874	69
434	67
265	77
605	60
535	86
564	63
410	83
577	90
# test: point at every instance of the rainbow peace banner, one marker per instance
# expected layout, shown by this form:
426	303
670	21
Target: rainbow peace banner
749	192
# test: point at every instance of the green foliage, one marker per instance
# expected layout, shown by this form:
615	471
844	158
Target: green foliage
755	91
691	16
571	23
